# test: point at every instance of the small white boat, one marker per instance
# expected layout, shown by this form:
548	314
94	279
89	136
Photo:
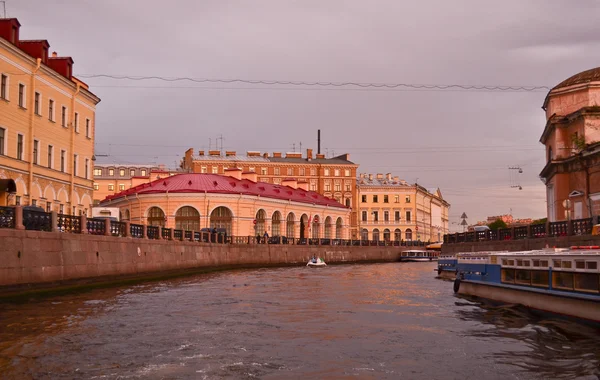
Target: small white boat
318	262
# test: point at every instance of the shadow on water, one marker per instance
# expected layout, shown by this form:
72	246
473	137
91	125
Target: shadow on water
548	346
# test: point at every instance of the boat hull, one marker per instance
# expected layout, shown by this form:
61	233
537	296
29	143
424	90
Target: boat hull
318	265
417	259
553	302
447	275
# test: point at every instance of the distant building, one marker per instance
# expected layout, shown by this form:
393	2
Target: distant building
393	210
47	127
331	177
572	140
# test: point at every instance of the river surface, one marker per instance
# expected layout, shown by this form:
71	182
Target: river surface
376	321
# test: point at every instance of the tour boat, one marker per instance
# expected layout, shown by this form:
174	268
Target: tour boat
561	281
318	262
447	263
418	255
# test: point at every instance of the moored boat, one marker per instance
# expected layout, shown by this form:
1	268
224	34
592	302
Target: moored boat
560	281
418	255
447	264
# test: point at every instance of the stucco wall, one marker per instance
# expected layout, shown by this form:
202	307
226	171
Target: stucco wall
32	257
521	245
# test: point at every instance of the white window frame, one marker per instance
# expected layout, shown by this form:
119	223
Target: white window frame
40	104
75	164
66	123
36	156
76	122
88	128
52	117
24	95
5	147
22	147
7	92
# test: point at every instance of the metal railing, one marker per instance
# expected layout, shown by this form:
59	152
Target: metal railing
136	231
7	217
68	223
96	226
153	232
37	220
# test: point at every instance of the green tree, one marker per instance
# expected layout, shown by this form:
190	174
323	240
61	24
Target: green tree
540	221
499	223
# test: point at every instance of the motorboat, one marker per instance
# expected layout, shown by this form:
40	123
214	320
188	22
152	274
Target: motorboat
316	262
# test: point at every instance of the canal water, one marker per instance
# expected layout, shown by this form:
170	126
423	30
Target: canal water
377	321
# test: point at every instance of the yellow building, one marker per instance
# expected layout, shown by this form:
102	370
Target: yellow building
393	210
46	126
235	202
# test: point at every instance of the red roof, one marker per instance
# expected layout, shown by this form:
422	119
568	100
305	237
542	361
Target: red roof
218	184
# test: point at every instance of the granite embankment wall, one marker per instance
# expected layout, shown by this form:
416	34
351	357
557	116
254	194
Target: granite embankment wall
522	244
36	259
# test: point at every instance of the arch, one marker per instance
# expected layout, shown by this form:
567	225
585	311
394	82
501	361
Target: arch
155	216
303	226
49	193
75	199
221	217
63	196
364	234
21	186
376	234
328	227
408	234
339	224
347	202
386	235
290	225
276	224
260	226
127	214
35	193
86	200
187	218
315	227
397	234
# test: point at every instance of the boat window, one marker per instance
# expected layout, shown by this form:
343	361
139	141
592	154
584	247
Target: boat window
562	280
544	263
511	262
525	263
591	265
523	277
587	282
579	264
508	275
519	263
539	278
556	263
566	264
536	263
504	261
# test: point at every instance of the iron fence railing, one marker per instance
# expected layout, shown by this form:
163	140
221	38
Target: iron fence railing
37	220
96	226
136	230
7	217
68	223
153	232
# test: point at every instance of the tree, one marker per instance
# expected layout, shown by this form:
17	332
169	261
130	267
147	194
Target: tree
540	221
499	223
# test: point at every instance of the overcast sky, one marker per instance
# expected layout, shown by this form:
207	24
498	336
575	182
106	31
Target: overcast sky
460	141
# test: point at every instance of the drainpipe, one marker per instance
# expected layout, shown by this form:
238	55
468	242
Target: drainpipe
38	64
140	209
72	149
167	211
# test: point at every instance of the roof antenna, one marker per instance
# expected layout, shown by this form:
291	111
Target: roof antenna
3	8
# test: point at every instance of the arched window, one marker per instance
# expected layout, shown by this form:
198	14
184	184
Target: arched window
156	217
386	235
364	234
304	226
315	227
397	235
221	217
376	234
339	224
328	227
290	229
408	234
261	215
347	202
187	218
276	224
126	215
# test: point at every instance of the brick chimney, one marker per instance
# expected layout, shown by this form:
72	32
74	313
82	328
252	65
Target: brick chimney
309	154
214	153
229	153
9	30
370	177
234	173
276	154
379	176
293	155
36	49
388	176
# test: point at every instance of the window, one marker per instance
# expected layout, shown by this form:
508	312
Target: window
397	216
2	140
408	199
122	172
376	216
301	171
408	216
363	198
364	216
203	169
76	122
252	169
111	172
62	160
313	185
87	128
276	180
51	110
96	186
97	172
375	198
48	206
348	187
327	186
18	200
326	172
50	156
132	172
386	216
263	171
61	209
338	187
347	173
87	168
75	164
111	187
591	265
36	104
143	172
21	95
396	199
215	169
276	171
63	116
312	171
4	87
36	151
336	172
290	171
121	186
34	202
386	199
19	147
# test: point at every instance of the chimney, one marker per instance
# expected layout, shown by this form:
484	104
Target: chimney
395	178
320	156
214	153
36	49
370	177
9	30
200	153
309	154
276	154
252	154
303	185
293	155
379	176
388	176
229	153
234	173
291	182
62	65
250	176
266	155
318	141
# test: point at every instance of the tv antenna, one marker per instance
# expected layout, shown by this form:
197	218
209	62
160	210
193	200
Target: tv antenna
514	180
3	8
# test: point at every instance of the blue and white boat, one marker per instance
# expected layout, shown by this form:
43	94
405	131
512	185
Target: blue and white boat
560	281
418	255
447	263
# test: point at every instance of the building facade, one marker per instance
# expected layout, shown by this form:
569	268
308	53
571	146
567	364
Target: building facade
331	177
391	209
572	140
47	126
235	202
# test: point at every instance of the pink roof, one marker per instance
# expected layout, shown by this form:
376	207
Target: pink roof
218	184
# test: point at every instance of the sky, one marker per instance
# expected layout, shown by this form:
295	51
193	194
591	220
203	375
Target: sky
463	142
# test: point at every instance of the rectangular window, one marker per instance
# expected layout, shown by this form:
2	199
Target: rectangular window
21	95
143	171
97	172
111	187
48	206
396	199
276	171
96	186
338	187
132	172
336	172
34	202
50	156
313	186
327	186
579	264
408	216
87	128
75	164
36	104
363	198
215	170
348	187
408	199
76	121
326	172
51	110
397	216
2	140
63	116
312	172
18	200
591	265
36	151
61	209
347	173
386	199
121	187
122	172
111	172
203	169
302	171
290	171
375	216
263	171
19	147
375	199
252	169
364	216
62	160
386	216
4	87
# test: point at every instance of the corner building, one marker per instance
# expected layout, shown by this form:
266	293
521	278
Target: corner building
46	127
236	202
